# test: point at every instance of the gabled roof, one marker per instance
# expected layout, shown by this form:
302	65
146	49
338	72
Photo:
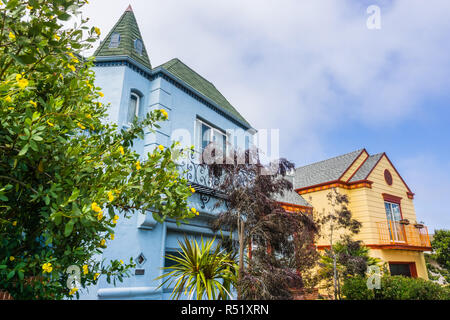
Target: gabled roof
291	197
324	171
196	81
366	168
129	31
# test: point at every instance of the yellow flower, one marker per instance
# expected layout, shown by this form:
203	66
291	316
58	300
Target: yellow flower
100	215
121	261
100	94
96	276
97	31
116	217
138	165
89	116
12	36
11	258
95	207
75	60
14	223
70	54
29	7
49	123
8	99
85	269
194	211
72	291
34	104
192	189
112	236
71	67
47	267
110	196
102	242
56	37
164	112
121	150
81	126
160	147
22	83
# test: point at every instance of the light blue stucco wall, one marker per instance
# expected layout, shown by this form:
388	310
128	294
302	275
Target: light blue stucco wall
141	233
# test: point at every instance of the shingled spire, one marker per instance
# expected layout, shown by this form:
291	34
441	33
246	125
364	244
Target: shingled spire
125	40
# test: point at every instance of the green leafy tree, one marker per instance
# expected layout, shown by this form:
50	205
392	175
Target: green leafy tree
441	247
66	175
337	225
201	270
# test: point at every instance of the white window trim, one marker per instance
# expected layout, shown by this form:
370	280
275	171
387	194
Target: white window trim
197	139
138	102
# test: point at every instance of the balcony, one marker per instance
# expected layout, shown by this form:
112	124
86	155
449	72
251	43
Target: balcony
394	235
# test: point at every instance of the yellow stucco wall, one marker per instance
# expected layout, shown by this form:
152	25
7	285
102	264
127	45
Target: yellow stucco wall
367	206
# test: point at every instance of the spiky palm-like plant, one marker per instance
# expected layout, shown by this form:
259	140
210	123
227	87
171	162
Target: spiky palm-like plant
200	270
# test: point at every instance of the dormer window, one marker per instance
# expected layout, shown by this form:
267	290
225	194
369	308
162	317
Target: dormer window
133	107
115	40
138	46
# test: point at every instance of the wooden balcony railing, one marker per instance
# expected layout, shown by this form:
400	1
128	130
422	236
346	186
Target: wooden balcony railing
395	233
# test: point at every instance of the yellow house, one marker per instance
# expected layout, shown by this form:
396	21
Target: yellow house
379	198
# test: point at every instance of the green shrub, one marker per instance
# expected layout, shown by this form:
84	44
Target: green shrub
395	288
356	289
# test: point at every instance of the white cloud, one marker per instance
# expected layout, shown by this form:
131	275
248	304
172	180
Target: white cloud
307	67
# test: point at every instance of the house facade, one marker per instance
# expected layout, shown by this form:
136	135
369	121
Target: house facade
198	114
379	198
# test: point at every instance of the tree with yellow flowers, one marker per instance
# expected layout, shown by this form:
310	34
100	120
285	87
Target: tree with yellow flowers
66	176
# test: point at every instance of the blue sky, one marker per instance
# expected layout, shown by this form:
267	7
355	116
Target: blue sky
314	70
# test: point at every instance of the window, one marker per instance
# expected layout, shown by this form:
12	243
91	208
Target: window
133	107
407	269
206	134
115	40
138	46
393	215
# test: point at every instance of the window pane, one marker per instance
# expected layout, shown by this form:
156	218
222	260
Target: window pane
387	205
400	269
132	108
206	135
220	140
396	212
115	40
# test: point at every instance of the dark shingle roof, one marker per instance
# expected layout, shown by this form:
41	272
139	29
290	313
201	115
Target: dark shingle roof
292	197
324	171
128	29
196	81
366	167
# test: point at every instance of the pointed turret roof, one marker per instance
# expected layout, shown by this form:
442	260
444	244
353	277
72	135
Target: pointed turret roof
127	40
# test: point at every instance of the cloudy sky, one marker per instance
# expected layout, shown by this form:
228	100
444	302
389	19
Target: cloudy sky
315	71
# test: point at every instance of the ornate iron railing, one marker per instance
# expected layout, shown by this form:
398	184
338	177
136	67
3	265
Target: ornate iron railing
198	176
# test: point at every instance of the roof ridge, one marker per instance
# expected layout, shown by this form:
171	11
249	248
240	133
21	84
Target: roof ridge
345	154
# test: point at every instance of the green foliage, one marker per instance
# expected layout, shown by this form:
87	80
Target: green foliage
395	288
441	247
355	288
201	270
352	260
66	175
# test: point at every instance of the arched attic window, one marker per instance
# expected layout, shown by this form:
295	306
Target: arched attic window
115	40
133	106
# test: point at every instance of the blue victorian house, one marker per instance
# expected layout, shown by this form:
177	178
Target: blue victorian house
198	115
